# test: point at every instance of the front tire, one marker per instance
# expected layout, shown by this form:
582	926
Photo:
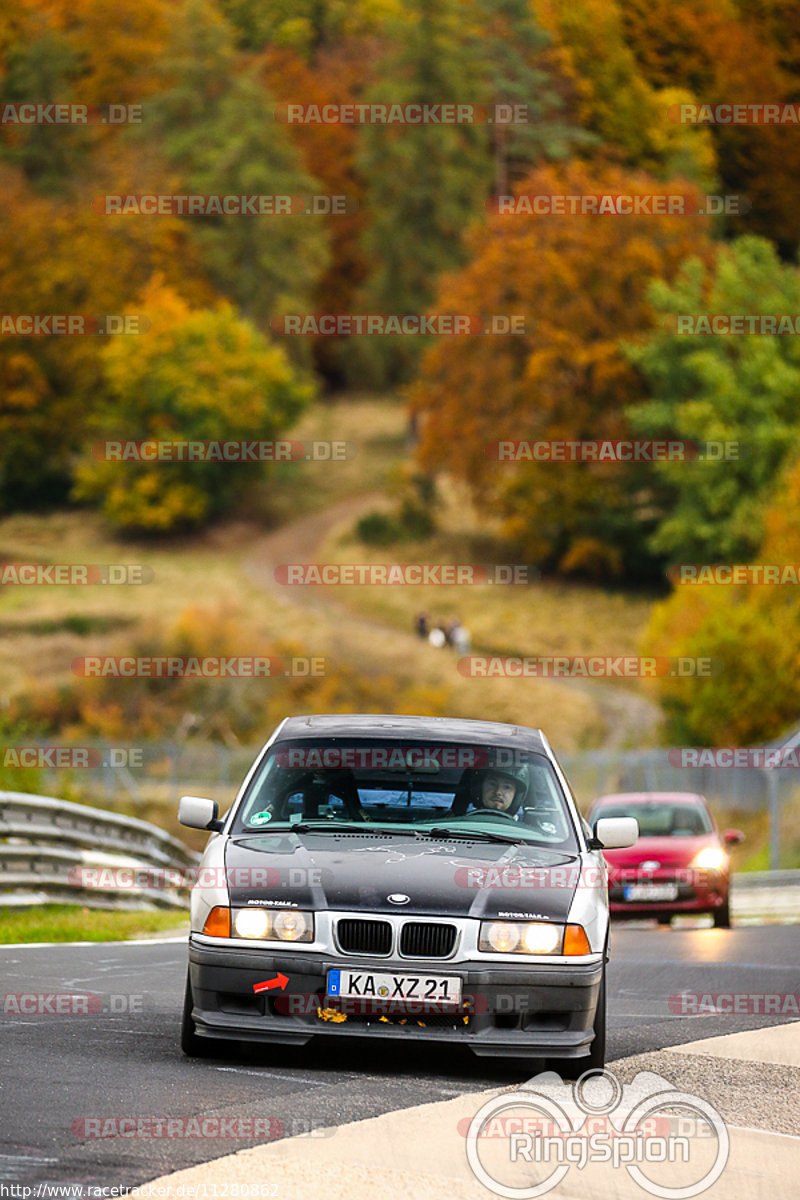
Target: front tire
573	1068
722	915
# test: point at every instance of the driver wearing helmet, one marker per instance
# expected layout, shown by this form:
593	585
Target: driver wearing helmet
502	789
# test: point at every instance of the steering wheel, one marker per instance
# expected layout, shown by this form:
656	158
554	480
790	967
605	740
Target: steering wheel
490	812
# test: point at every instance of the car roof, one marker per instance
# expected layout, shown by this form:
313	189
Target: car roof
650	798
414	728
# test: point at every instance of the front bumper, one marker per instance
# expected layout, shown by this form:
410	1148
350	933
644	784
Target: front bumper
521	1011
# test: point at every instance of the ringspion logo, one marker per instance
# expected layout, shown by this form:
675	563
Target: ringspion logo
672	1144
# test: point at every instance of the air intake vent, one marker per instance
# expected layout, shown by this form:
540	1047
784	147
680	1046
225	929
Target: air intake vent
426	940
364	937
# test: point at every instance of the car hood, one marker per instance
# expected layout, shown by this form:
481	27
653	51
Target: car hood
358	873
669	851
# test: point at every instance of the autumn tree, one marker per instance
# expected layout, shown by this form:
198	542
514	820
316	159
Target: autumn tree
724	52
616	101
750	633
197	375
579	282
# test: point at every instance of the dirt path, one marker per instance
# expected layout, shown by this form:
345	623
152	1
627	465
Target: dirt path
631	720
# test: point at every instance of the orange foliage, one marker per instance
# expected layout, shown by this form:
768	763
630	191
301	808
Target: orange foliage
580	282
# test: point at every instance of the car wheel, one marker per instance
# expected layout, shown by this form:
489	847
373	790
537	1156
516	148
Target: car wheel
191	1044
665	920
573	1068
722	915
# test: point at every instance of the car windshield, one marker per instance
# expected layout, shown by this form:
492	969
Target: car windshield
661	819
433	789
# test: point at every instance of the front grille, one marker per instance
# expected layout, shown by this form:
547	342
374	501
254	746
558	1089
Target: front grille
427	940
364	937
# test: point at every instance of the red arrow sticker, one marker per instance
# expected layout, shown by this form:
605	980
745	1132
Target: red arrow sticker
279	981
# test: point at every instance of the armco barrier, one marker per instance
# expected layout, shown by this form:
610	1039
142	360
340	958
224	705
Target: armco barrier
43	842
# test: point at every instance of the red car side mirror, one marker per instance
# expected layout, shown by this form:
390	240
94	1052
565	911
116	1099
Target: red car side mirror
732	837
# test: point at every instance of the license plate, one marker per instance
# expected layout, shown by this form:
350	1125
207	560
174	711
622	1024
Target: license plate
651	891
442	990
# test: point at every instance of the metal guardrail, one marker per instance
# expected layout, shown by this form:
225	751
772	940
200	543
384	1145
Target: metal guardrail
50	849
749	880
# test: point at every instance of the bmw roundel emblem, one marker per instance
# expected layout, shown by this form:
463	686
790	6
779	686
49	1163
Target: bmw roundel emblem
398	898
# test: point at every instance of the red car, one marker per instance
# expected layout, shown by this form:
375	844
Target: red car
679	863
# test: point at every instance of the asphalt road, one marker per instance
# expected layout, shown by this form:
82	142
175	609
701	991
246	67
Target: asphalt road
124	1060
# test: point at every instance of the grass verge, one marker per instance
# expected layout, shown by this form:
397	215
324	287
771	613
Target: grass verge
68	923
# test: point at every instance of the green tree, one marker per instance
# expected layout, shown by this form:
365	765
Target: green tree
198	375
214	127
425	183
509	46
42	69
740	389
306	26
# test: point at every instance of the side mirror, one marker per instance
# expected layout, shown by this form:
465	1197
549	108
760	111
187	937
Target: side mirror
614	833
733	837
199	813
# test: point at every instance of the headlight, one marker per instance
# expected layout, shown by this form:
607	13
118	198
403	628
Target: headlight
520	937
710	859
251	923
262	924
293	926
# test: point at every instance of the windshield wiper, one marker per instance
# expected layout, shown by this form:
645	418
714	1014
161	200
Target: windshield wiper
477	835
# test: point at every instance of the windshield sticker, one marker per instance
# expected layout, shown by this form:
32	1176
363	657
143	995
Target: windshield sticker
260	818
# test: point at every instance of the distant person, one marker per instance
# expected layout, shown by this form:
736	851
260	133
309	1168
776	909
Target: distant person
437	637
421	624
461	639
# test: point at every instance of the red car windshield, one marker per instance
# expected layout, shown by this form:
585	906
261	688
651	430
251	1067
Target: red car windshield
662	819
